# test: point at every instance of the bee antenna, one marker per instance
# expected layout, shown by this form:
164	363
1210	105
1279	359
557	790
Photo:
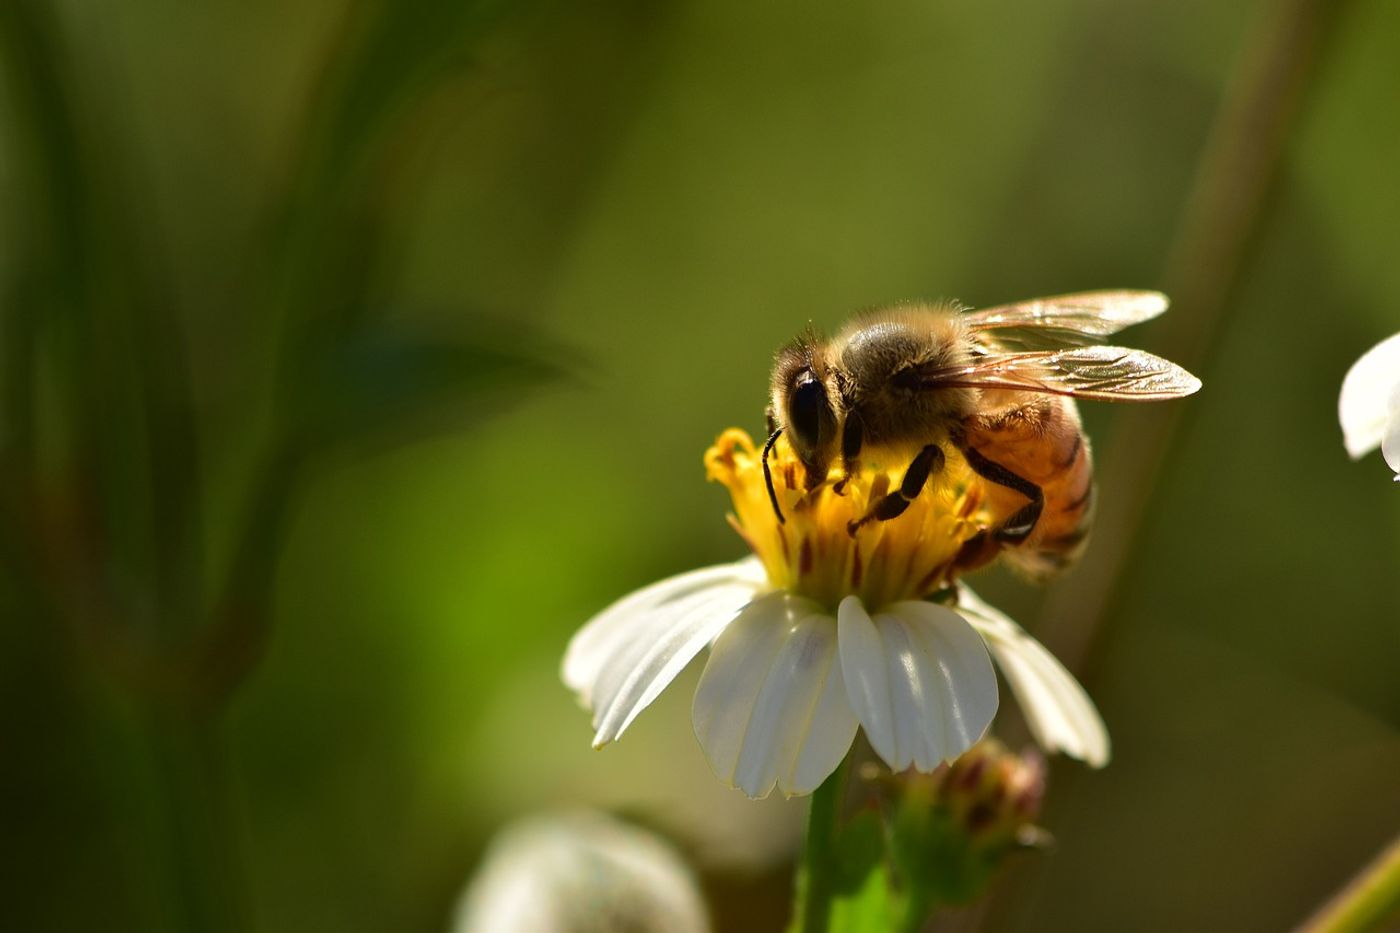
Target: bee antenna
768	476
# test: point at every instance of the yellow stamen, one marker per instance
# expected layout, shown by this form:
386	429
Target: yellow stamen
815	554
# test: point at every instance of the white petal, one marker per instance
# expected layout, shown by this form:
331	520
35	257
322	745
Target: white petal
622	660
1390	445
1368	403
601	637
863	666
1060	714
644	666
771	705
919	680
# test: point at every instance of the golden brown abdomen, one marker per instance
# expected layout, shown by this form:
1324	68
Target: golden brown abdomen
1040	441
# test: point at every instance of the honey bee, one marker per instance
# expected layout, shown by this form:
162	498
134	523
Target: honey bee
917	383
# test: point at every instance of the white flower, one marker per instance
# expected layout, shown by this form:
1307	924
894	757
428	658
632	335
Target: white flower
1369	406
580	872
788	682
821	632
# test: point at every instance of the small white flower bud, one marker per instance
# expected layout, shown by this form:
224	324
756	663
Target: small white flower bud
580	872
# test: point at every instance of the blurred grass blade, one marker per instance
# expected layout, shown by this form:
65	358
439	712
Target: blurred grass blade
1370	901
387	385
91	292
394	52
389	60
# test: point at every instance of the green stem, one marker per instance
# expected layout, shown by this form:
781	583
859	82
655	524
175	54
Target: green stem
1370	898
816	878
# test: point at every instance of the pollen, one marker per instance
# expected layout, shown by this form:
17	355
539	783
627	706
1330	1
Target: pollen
814	551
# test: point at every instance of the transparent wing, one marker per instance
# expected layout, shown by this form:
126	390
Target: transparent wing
1114	374
1084	317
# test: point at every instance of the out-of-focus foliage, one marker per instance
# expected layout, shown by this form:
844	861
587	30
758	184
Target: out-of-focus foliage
334	227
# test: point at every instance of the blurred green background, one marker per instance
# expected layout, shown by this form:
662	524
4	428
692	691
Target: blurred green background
355	353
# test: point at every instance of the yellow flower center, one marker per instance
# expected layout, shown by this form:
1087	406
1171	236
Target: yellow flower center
814	552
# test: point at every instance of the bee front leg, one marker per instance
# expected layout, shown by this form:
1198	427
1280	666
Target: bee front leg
1019	526
926	463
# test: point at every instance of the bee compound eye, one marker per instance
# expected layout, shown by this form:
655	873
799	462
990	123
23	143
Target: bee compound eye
808	409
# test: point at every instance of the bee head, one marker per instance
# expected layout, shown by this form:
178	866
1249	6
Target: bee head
803	403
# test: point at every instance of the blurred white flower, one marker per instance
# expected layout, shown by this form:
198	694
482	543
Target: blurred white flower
1369	406
580	872
821	632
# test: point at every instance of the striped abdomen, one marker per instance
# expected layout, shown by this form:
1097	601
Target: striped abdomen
1040	441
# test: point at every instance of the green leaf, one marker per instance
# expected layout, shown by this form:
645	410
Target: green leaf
860	848
936	860
864	900
871	908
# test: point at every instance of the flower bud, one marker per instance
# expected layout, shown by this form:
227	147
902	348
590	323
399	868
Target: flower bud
953	828
993	795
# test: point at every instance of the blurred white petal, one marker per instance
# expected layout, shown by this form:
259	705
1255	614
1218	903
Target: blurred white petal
771	706
1370	399
1058	711
602	636
580	872
919	681
1390	445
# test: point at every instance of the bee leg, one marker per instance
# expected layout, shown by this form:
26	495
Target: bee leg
852	436
925	463
1019	526
976	551
768	475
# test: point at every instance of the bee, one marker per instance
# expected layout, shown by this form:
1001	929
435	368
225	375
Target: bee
917	383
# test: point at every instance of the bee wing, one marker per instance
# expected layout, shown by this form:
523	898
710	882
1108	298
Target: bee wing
1114	374
1084	317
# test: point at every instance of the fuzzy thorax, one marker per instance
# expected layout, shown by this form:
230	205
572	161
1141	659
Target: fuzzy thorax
813	552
